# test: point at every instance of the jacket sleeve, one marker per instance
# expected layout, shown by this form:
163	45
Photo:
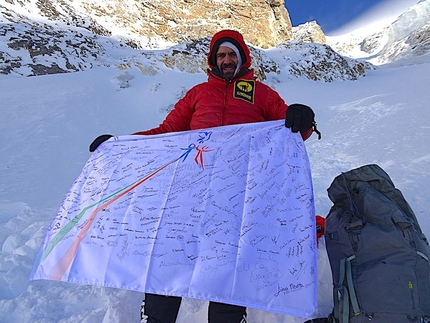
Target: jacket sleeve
178	119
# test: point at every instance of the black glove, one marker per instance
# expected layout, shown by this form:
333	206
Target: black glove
300	118
98	141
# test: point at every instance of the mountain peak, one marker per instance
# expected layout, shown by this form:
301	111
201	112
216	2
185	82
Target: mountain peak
62	36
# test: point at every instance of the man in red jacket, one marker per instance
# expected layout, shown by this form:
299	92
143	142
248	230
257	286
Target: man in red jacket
230	96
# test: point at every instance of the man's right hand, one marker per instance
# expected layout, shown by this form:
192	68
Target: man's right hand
98	141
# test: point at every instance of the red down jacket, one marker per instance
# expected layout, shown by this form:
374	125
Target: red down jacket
220	102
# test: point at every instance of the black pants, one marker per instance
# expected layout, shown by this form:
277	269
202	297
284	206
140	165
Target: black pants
164	309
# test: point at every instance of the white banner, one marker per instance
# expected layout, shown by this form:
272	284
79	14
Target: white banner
223	214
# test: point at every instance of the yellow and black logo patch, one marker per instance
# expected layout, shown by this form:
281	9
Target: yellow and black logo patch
244	90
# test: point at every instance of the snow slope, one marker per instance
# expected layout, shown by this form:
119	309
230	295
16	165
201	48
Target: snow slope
47	123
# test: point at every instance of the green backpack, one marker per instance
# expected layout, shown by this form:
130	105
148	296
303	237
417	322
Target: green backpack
379	257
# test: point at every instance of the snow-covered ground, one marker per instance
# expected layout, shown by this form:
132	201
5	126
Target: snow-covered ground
47	123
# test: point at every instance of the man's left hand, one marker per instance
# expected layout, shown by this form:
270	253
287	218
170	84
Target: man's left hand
299	117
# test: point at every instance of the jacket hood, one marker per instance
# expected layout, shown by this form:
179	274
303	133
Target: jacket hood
235	38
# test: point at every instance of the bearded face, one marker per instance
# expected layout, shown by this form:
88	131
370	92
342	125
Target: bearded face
227	61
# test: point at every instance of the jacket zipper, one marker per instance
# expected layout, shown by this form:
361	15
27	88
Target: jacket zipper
224	114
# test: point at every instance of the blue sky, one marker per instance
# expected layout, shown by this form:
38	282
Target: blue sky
333	15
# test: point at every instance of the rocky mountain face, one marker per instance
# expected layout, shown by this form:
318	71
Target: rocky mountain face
408	36
39	37
309	32
264	23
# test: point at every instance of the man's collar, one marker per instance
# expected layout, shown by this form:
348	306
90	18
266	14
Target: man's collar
241	73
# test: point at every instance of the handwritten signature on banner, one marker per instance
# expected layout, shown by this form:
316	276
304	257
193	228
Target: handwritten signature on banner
232	207
65	261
